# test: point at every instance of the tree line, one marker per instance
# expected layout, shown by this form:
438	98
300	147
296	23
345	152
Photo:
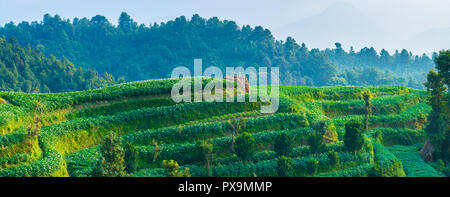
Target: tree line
24	69
140	52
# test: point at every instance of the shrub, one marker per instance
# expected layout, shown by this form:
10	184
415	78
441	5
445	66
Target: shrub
172	169
283	144
284	166
131	158
353	138
315	141
112	161
245	146
334	158
312	165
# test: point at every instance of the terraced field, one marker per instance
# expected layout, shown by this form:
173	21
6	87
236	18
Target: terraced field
61	134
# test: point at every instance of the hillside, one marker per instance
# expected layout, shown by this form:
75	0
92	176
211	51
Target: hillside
141	51
66	136
23	69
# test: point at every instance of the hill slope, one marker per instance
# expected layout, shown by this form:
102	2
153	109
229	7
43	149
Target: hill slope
68	130
29	70
140	52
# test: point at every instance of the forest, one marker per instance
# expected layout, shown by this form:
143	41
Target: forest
132	51
26	69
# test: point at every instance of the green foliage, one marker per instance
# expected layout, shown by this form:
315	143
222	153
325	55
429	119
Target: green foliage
112	161
443	65
206	149
386	164
334	158
437	128
283	144
312	166
397	136
330	135
123	50
315	141
245	146
367	108
378	137
131	158
284	166
440	165
197	135
172	169
353	138
358	171
29	70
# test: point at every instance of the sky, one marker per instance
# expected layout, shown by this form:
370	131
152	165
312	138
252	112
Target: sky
418	25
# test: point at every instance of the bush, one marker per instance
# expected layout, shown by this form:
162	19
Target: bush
353	138
131	158
283	144
312	165
112	161
245	146
172	169
284	166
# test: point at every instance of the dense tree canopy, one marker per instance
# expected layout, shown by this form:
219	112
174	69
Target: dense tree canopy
138	52
29	70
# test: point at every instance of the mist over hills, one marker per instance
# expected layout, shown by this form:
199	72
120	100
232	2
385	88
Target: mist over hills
429	40
340	22
140	52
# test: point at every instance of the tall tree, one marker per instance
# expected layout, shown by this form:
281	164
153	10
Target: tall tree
437	127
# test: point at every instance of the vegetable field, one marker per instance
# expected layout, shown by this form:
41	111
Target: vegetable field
60	135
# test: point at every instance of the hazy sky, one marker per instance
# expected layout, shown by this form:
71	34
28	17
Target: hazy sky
403	19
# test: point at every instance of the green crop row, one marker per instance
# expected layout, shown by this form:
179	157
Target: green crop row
400	136
127	105
386	164
359	171
414	117
116	92
301	93
51	164
413	164
190	152
268	168
215	129
57	132
381	105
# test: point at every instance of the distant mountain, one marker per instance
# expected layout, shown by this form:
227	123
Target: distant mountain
431	40
340	22
138	52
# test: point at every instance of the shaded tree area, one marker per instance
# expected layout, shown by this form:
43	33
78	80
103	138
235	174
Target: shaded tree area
438	128
370	67
24	69
139	52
